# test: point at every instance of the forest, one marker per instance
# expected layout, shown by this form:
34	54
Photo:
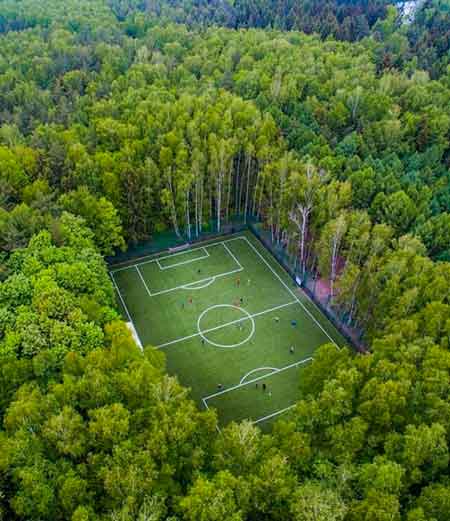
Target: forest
330	123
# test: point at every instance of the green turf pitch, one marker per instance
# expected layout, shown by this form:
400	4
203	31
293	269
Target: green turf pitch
226	315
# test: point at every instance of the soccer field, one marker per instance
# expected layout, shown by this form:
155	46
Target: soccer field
233	325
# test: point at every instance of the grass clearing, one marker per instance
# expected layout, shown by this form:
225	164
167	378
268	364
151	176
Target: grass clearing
226	313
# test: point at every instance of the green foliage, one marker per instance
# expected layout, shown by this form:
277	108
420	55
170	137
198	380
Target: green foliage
55	299
315	503
429	35
101	217
117	123
98	432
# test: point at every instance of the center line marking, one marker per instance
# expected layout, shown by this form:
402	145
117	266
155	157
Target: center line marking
225	325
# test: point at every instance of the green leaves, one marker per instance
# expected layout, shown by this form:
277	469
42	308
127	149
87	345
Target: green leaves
423	451
396	209
238	448
117	126
314	502
102	424
221	498
101	217
66	433
13	177
108	426
48	298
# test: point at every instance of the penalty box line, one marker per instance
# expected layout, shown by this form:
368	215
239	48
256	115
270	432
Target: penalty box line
253	380
276	413
221	326
232	255
184	286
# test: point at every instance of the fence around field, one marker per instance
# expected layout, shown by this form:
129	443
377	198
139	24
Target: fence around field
167	240
315	288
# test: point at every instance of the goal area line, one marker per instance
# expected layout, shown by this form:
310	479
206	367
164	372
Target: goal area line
170	266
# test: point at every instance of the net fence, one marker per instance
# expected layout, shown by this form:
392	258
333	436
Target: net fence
315	288
168	239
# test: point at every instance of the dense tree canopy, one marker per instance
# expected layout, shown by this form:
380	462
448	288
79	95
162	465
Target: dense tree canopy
122	119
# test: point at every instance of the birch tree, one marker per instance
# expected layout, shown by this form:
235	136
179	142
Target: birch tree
358	285
330	245
305	186
168	195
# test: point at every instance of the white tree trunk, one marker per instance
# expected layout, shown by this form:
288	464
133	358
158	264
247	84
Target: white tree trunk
173	208
304	233
280	203
219	199
335	247
196	206
248	187
261	191
202	192
188	217
255	193
230	175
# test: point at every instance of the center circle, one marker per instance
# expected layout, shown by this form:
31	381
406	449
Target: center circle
216	344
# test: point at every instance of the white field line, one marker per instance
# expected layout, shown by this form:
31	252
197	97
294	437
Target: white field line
277	413
208	243
183	252
206	407
194	285
156	293
143	281
196	282
175	254
120	296
271	369
225	325
126	309
290	291
232	255
285	368
168	256
135	335
183	262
